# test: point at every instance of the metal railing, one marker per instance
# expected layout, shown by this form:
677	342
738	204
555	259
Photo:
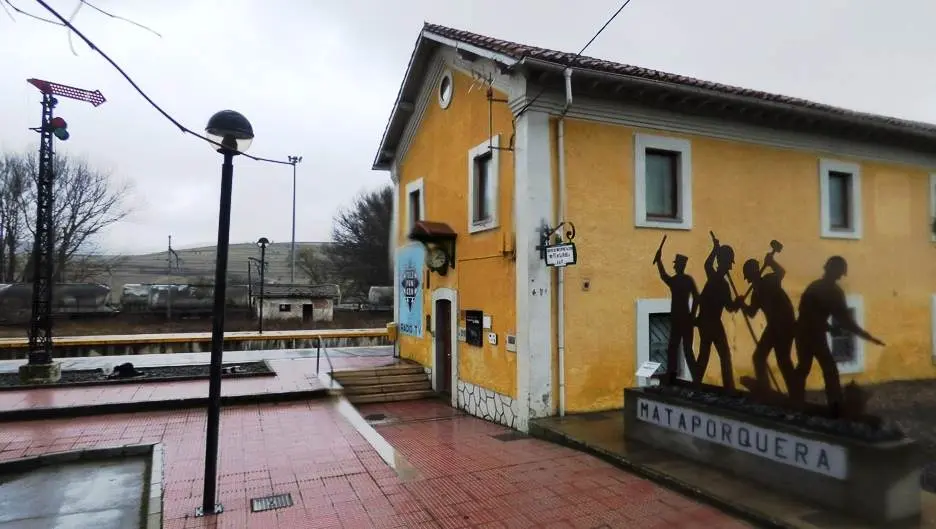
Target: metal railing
317	343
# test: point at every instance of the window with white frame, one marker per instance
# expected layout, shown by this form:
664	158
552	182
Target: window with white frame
847	348
415	203
662	182
653	333
483	164
933	324
840	195
932	197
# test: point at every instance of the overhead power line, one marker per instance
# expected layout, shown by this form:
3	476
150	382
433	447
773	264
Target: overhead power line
577	55
63	21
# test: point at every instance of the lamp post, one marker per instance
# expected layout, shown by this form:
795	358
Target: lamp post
262	243
233	133
292	246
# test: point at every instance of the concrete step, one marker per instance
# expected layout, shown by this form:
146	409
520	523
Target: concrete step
398	369
390	397
350	382
424	384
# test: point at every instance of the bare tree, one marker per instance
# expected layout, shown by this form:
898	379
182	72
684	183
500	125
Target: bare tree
86	201
361	235
14	179
315	261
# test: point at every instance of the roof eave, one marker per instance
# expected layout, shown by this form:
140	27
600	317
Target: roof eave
629	82
404	106
415	69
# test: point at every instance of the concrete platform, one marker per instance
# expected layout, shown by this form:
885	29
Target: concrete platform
142	344
297	378
602	434
104	489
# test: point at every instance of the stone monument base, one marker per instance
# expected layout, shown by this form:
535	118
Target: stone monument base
40	373
871	476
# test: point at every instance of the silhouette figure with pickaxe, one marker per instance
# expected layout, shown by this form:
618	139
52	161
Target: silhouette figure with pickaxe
767	295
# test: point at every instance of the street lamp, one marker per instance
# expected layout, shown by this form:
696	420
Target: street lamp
233	134
262	243
292	246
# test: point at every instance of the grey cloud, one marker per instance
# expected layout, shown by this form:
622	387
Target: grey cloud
318	79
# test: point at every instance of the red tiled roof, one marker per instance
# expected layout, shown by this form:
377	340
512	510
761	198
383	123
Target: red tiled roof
520	51
912	135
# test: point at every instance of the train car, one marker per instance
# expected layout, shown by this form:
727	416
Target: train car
69	300
179	300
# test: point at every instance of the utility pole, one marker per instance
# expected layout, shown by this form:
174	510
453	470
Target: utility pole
292	247
39	367
262	243
169	281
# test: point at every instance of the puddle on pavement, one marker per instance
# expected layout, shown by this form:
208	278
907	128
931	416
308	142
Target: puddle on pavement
386	451
99	494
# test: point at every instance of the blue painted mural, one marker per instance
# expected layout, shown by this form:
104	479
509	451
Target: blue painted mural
410	268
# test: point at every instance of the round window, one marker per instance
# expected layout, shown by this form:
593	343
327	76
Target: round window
445	90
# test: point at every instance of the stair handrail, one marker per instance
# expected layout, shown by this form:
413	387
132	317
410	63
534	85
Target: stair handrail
317	342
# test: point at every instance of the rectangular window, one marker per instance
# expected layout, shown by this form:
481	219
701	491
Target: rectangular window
415	204
844	343
659	330
482	188
847	348
840	208
285	307
932	196
483	170
840	199
662	182
415	210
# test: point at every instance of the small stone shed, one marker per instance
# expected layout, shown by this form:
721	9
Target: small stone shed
296	302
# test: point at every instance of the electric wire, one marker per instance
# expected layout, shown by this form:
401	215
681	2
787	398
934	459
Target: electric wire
183	128
576	56
117	17
30	15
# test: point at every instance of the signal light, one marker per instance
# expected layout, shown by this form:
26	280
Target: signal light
59	128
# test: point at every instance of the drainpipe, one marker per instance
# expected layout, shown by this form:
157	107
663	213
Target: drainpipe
560	316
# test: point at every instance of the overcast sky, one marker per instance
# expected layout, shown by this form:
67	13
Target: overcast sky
318	79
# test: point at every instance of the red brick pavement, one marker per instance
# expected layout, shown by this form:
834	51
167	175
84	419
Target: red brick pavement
291	375
465	478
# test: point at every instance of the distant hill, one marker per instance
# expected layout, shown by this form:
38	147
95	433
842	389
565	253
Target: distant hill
198	265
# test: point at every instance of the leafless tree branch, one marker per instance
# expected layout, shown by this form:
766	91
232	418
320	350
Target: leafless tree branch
30	15
85	202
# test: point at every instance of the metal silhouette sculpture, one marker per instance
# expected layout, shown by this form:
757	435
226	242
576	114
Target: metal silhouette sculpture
713	301
682	328
768	296
822	302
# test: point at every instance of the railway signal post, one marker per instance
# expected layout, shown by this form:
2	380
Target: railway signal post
39	367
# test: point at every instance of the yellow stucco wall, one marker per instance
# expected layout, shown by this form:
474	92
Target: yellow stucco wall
484	271
747	194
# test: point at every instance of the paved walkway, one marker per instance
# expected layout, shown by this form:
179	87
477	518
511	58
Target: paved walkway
457	474
295	371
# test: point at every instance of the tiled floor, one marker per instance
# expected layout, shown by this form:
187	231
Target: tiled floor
297	374
464	478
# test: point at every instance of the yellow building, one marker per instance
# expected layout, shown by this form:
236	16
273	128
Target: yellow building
489	141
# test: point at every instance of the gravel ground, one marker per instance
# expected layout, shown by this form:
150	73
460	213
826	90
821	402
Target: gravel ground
912	406
150	374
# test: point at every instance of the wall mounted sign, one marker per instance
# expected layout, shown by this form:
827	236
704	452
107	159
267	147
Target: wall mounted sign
410	262
561	254
474	327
